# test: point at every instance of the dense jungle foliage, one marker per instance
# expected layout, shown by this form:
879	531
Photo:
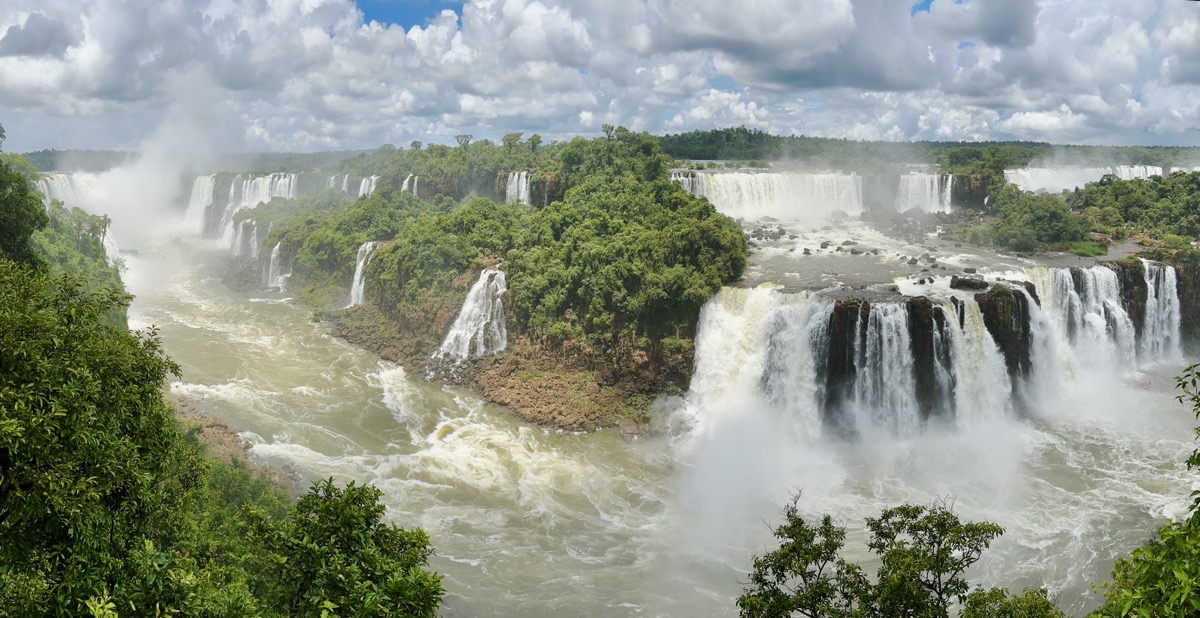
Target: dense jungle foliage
108	506
989	158
624	253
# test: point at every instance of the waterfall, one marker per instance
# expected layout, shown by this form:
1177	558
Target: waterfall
1160	331
201	200
72	189
367	186
410	184
885	392
274	275
479	329
924	192
890	367
254	242
517	189
245	240
787	196
1057	179
250	191
358	288
687	180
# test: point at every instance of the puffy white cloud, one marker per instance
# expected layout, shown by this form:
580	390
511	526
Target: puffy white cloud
311	74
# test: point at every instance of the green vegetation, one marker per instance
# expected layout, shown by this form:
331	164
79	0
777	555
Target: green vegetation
1026	222
107	508
965	158
1165	208
625	254
923	552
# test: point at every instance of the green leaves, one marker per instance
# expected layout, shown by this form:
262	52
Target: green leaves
924	552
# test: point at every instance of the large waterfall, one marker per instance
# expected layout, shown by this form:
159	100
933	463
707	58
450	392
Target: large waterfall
1160	332
358	287
1056	179
200	201
888	367
786	196
247	191
924	192
480	328
516	191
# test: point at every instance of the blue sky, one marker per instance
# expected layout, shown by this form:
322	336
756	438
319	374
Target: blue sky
407	13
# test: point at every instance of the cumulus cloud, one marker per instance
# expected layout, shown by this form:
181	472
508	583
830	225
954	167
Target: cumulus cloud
314	74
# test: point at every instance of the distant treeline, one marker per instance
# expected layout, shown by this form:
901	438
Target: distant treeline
101	160
742	144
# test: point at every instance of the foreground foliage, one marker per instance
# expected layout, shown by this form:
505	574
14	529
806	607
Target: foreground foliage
924	553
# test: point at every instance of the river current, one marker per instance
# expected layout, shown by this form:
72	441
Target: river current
537	522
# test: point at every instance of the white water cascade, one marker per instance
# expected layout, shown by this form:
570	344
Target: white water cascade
200	201
517	189
1057	179
479	329
1160	332
274	276
786	196
1087	313
79	190
358	287
885	394
410	184
367	186
250	191
925	192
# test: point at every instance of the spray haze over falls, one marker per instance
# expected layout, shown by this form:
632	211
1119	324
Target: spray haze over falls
1015	402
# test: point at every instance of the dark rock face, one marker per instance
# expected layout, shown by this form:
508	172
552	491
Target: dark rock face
968	191
1132	275
1187	281
967	283
846	331
1006	316
921	331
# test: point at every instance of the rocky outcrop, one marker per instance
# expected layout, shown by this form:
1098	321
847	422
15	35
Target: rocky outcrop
970	191
1006	316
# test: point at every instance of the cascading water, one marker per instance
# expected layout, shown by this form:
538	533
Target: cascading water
358	287
250	191
517	189
480	328
367	186
274	276
787	196
410	184
924	192
1087	311
202	198
1160	332
885	395
1057	179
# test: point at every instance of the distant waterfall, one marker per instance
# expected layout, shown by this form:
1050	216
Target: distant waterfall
410	184
71	189
367	186
517	189
480	328
248	192
201	200
787	196
1057	179
1160	332
274	276
924	192
687	180
358	288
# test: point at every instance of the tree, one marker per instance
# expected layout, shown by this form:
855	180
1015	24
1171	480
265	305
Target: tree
924	553
336	554
415	145
21	214
463	139
91	462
